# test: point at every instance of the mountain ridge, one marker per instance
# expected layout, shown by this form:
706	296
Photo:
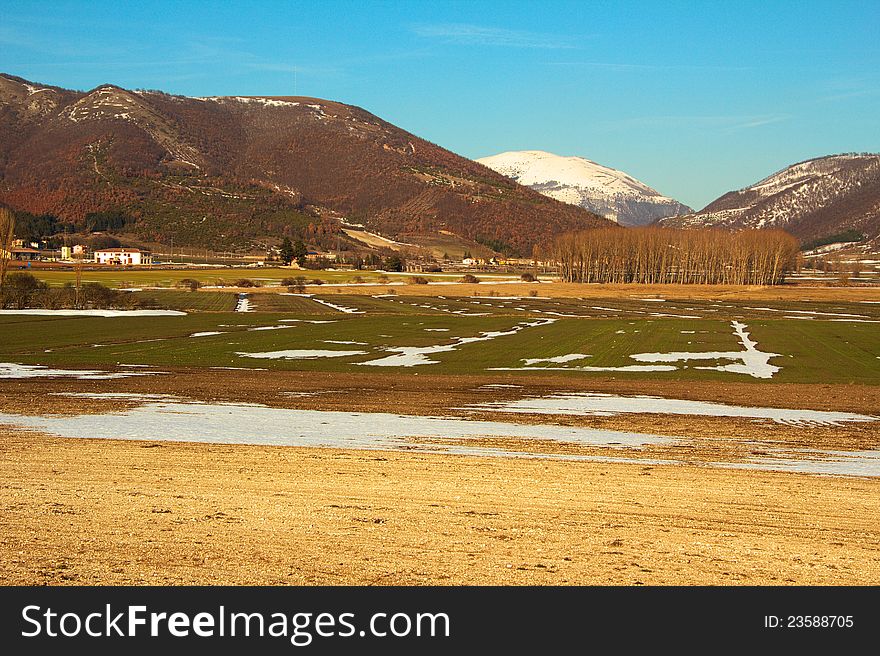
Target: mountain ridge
811	199
230	170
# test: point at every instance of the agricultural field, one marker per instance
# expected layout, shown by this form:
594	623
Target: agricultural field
494	336
157	277
483	410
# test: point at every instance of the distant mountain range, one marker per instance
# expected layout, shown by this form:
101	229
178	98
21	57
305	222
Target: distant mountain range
231	172
812	200
240	172
578	181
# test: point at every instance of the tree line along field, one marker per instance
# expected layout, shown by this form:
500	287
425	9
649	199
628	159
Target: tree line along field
652	255
809	351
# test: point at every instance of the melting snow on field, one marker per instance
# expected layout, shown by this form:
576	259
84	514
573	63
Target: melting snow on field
300	354
558	359
810	312
339	308
412	356
208	333
604	405
96	313
13	370
753	362
256	424
631	368
251	423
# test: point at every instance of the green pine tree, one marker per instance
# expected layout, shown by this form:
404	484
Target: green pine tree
299	251
286	251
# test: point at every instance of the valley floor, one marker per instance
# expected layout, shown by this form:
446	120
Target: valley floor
511	439
112	512
97	511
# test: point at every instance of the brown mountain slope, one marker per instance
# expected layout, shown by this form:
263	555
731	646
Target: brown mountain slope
230	171
811	200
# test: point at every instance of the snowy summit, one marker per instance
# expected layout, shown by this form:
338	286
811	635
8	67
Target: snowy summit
578	181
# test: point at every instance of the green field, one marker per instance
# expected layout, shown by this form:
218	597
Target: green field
181	300
810	351
148	277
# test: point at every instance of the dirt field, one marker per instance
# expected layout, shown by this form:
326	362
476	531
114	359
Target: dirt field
90	512
575	290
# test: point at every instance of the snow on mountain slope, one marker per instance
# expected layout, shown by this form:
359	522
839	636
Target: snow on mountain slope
810	199
578	181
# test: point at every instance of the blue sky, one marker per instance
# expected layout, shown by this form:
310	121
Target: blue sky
694	98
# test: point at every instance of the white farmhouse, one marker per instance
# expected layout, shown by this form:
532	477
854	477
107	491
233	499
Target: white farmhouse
123	256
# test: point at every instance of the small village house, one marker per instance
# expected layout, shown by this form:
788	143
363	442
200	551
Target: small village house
71	252
123	256
22	254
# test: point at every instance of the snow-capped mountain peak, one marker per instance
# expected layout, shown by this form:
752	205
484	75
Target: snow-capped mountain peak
579	181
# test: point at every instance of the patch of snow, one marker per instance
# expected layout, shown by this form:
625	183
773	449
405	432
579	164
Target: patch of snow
630	368
412	356
810	312
823	463
13	370
606	405
558	359
208	333
96	313
257	424
239	368
133	396
338	308
250	100
754	363
300	354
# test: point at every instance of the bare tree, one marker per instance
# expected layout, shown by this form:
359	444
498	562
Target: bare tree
662	255
7	235
77	270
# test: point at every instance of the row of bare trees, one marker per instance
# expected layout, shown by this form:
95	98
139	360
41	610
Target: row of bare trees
654	255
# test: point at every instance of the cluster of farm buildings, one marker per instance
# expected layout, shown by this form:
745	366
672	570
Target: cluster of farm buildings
21	252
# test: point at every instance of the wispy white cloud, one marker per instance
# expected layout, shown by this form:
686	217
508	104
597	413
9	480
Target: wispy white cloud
625	67
480	35
759	121
719	122
851	94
